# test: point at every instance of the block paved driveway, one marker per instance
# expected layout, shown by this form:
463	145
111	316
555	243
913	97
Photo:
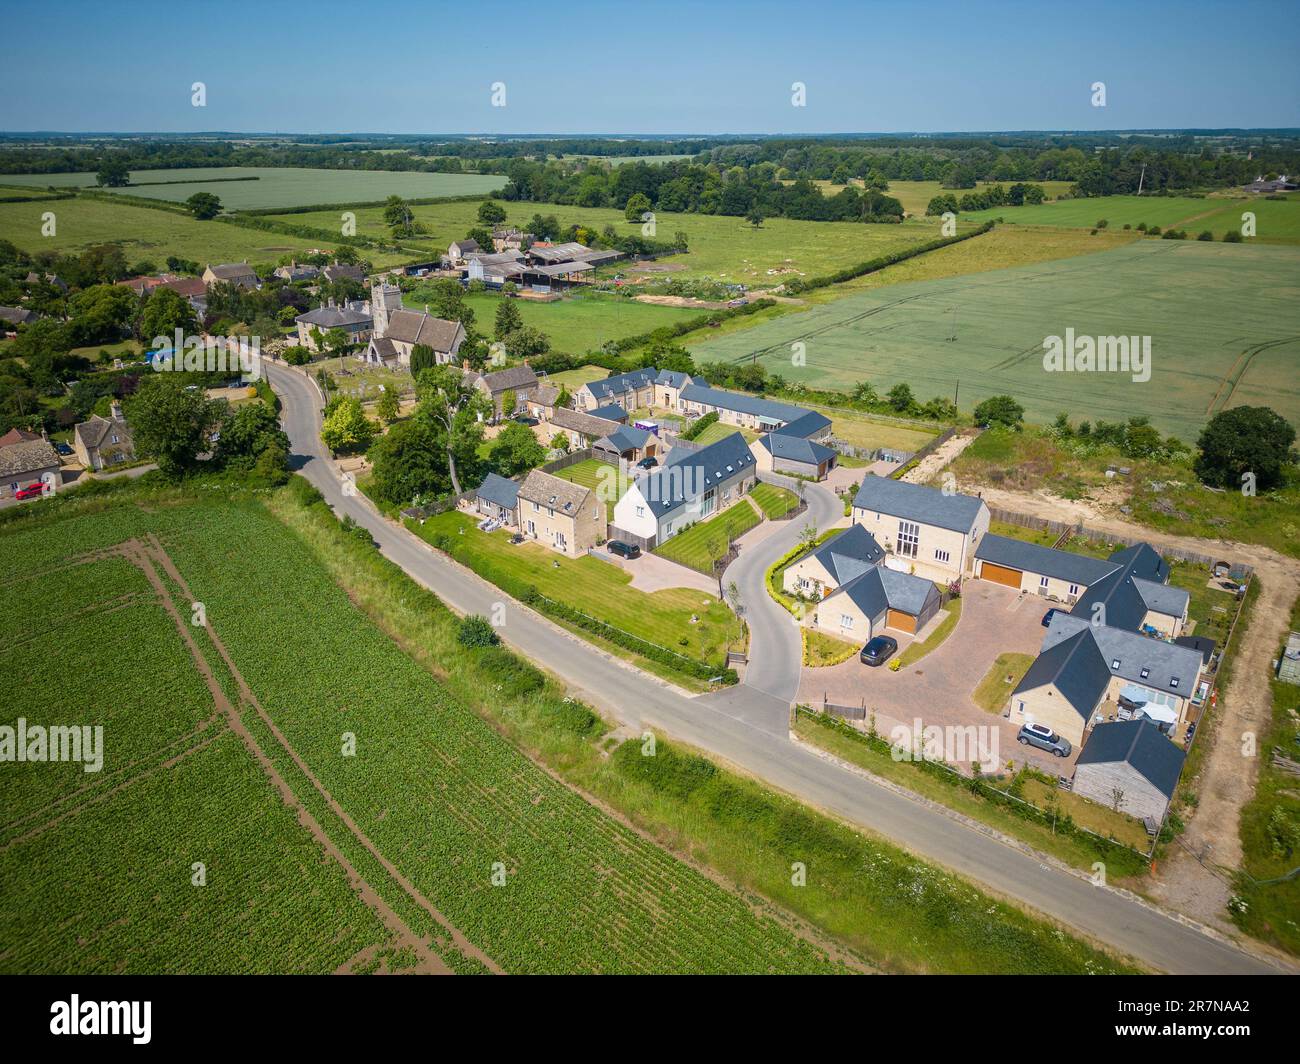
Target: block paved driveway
937	689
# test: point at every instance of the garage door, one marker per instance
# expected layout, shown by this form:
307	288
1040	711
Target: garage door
903	622
1000	574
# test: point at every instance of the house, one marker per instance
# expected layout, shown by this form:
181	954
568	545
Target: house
518	379
810	426
841	558
540	404
1130	766
628	443
26	459
237	273
510	239
879	598
104	441
397	331
354	318
1055	574
1282	183
737	408
924	530
778	453
498	499
566	517
341	271
459	250
581	429
47	278
191	289
17	315
631	390
690	487
295	272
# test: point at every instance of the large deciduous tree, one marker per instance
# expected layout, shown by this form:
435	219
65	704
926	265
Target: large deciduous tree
171	423
1245	439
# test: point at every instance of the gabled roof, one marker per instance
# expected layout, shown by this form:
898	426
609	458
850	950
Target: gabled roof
563	496
1169	667
416	327
17	435
915	502
233	271
336	317
848	554
621	383
612	412
521	376
878	589
1126	594
625	438
27	456
559	269
465	245
577	421
554	253
1035	558
1163	598
689	474
795	449
497	489
92	433
754	405
809	424
1076	667
340	271
1144	561
17	315
1138	743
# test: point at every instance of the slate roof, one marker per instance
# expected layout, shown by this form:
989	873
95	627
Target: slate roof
755	405
467	245
577	421
1140	744
92	433
1163	598
1075	666
1127	593
620	384
497	489
879	589
808	425
1034	558
238	272
795	449
625	438
1163	662
1145	562
17	315
915	502
848	554
612	412
1203	645
336	317
417	327
560	495
27	456
521	376
688	476
340	271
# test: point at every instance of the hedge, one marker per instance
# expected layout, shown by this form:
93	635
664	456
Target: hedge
699	425
879	263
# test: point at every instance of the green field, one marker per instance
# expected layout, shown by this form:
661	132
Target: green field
773	501
277	186
145	232
581	322
915	196
573	379
1224	322
703	543
1277	221
724	248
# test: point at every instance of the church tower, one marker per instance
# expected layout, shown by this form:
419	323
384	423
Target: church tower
384	300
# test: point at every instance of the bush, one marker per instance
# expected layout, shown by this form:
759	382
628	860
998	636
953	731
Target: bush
699	425
674	774
513	676
476	631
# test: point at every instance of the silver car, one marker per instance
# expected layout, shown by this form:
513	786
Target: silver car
1041	736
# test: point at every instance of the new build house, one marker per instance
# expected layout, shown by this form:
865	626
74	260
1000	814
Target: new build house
637	388
563	516
925	531
1130	766
690	487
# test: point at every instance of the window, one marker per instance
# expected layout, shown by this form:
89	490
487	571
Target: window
1074	589
846	621
1173	682
1042	581
941	555
640	511
1145	673
908	535
1115	664
536	508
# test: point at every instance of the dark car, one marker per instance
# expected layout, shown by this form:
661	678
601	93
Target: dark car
623	550
63	448
648	463
1047	617
878	651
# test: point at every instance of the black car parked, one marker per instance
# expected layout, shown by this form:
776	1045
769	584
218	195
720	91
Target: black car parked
878	650
623	550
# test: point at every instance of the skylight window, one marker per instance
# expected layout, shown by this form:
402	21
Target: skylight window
1173	682
1145	673
1115	664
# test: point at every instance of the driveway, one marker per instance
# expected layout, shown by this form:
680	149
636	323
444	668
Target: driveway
650	572
937	689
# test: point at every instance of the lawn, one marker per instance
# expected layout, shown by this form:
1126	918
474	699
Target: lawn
1223	332
146	233
600	477
774	501
702	544
581	322
1042	536
276	186
821	650
573	379
870	433
722	247
720	431
598	589
992	692
352	377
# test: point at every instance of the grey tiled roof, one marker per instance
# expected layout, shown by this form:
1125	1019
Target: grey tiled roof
1164	663
335	317
1163	598
1035	558
809	424
690	473
612	412
1142	745
754	405
915	502
848	554
1075	666
497	489
879	588
796	449
625	438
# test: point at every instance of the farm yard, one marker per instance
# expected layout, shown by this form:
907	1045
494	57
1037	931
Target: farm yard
145	232
1224	322
435	798
256	187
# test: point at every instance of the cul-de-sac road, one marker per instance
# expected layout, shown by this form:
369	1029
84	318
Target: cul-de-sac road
745	725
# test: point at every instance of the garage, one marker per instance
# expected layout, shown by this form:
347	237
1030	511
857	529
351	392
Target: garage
900	621
1000	574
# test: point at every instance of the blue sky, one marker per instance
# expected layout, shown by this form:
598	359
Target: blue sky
648	67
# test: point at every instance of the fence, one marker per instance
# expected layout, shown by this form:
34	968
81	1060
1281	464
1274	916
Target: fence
573	458
925	452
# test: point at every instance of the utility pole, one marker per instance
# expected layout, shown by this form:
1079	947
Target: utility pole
1142	178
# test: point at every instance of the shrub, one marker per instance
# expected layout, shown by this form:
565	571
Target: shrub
476	631
677	775
699	425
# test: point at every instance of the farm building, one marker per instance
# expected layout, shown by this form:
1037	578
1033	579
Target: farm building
925	531
1129	766
342	271
459	250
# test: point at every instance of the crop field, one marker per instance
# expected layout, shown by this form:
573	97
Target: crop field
279	186
1224	321
723	248
435	799
701	545
582	322
147	233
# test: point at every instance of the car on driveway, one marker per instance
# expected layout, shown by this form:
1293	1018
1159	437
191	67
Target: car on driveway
1047	617
878	651
32	491
623	550
648	463
1041	736
63	448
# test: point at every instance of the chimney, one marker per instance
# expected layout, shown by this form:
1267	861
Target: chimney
115	410
464	364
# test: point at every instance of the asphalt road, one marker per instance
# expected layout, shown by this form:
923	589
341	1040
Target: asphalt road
725	725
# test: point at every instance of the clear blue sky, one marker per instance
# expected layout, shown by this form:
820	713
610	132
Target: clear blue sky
658	66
